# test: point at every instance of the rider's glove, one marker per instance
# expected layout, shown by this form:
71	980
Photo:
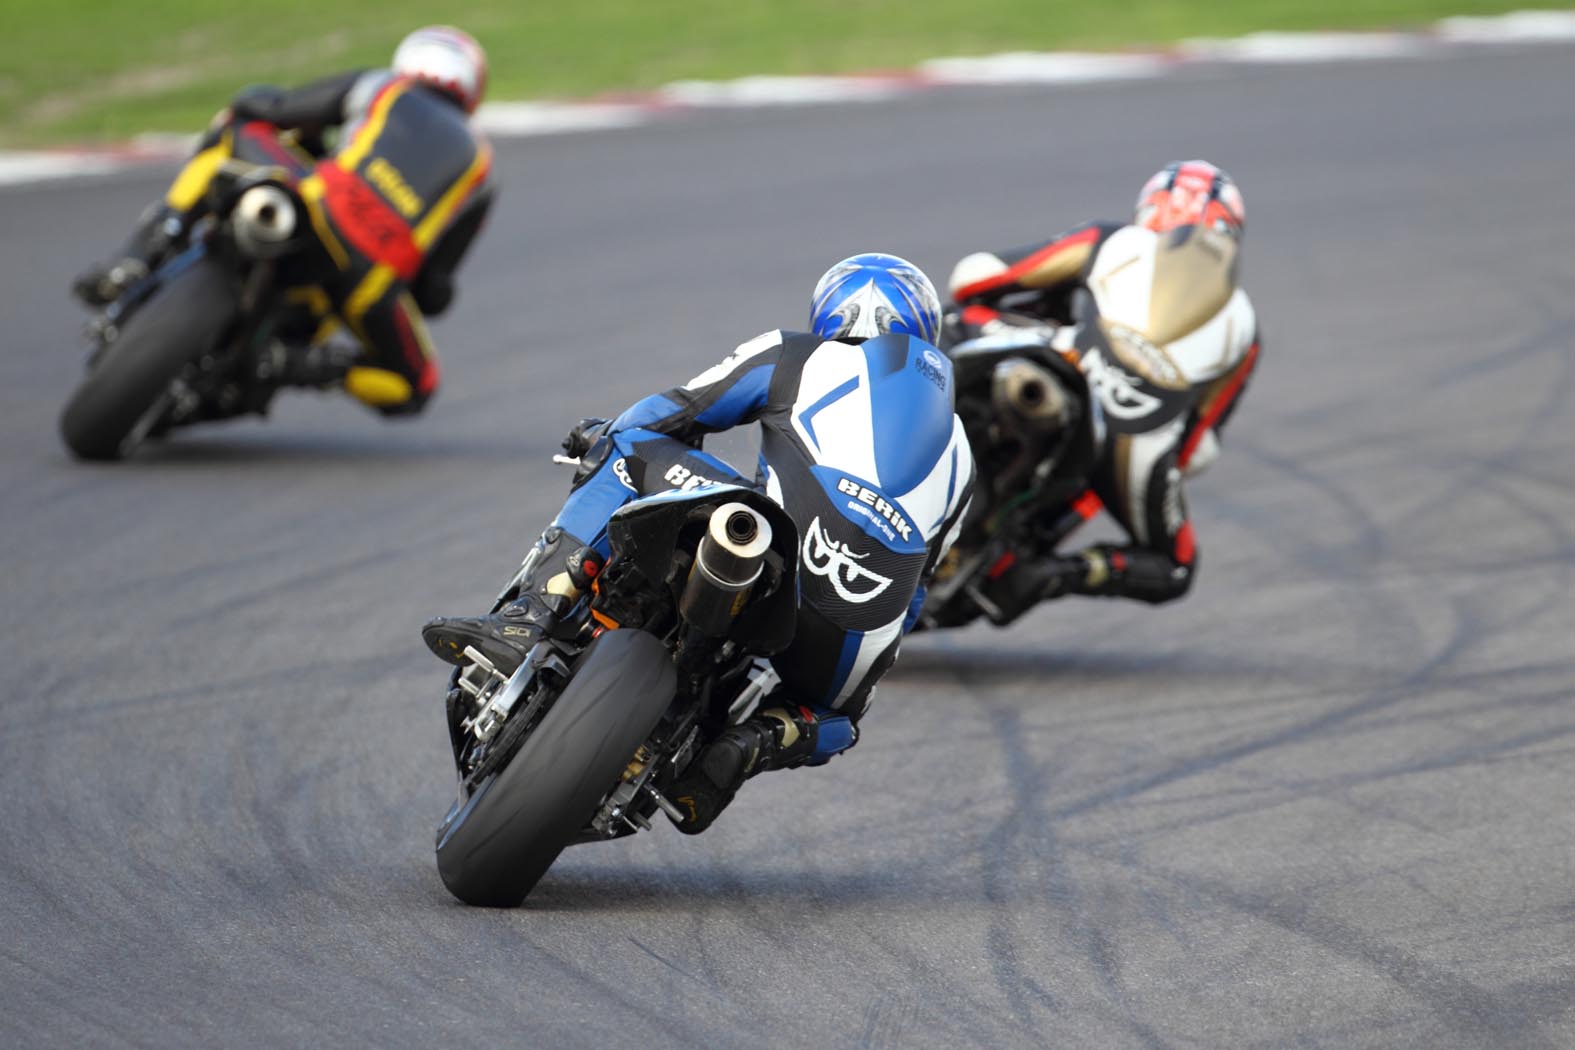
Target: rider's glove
586	433
255	102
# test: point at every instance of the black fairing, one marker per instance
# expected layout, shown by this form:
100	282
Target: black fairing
974	367
644	534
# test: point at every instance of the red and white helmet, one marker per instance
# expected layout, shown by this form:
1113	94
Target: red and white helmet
1190	193
449	59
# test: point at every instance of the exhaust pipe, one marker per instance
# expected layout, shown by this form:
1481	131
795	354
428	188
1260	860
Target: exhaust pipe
729	560
1030	395
264	220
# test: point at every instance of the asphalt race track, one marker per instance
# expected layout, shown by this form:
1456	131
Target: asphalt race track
1324	802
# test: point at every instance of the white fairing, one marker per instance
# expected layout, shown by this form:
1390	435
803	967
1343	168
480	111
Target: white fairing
971	269
1121	281
1123	275
1219	344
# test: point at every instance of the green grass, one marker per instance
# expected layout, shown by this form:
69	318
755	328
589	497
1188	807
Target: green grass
84	70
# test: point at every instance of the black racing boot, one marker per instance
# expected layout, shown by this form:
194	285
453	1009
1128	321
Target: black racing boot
774	739
158	229
1021	585
320	367
103	283
504	637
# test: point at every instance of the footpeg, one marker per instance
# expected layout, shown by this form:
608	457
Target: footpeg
664	804
482	680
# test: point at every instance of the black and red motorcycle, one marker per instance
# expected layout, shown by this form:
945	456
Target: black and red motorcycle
1036	431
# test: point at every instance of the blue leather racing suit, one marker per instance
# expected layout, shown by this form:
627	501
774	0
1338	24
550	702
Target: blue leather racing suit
862	448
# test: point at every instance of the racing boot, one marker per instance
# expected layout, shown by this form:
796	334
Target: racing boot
506	636
322	366
157	230
780	738
1017	587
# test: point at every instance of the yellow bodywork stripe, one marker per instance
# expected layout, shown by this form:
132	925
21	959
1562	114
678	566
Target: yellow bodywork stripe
369	291
351	157
315	299
329	326
377	387
311	296
193	180
418	325
438	217
312	193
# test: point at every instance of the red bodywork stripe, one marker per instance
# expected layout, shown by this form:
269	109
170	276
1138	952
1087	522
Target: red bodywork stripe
1004	562
1217	409
1186	544
367	222
1087	505
266	136
979	316
424	366
1012	274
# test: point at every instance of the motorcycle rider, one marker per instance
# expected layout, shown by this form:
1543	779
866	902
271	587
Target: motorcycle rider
1186	207
395	202
861	446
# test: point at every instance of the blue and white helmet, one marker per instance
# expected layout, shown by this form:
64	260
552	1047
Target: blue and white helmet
872	294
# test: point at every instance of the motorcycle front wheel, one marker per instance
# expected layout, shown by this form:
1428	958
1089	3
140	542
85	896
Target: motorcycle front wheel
498	843
126	388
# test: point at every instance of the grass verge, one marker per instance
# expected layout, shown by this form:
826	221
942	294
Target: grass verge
86	70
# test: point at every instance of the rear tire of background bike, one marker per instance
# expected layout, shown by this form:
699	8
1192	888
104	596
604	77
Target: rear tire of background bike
183	321
511	829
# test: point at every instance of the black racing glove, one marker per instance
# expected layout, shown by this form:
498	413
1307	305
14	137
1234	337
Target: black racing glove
255	102
586	433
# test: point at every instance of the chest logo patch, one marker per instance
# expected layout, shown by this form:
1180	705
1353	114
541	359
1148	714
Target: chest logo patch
836	562
1118	392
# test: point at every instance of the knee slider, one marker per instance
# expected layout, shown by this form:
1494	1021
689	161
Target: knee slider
834	734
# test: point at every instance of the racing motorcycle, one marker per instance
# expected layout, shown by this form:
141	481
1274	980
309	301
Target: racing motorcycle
212	332
1038	422
661	650
1036	430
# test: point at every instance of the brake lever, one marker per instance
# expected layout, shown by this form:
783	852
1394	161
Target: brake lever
567	461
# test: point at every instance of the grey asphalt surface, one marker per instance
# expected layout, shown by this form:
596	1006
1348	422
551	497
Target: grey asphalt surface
1324	802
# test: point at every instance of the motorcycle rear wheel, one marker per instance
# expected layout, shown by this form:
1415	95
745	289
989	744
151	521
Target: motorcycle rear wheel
118	402
496	845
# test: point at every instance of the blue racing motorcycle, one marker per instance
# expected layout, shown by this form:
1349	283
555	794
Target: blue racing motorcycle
659	652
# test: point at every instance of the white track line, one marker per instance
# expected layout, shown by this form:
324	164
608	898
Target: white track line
782	91
1044	67
510	119
1294	48
1519	27
18	168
